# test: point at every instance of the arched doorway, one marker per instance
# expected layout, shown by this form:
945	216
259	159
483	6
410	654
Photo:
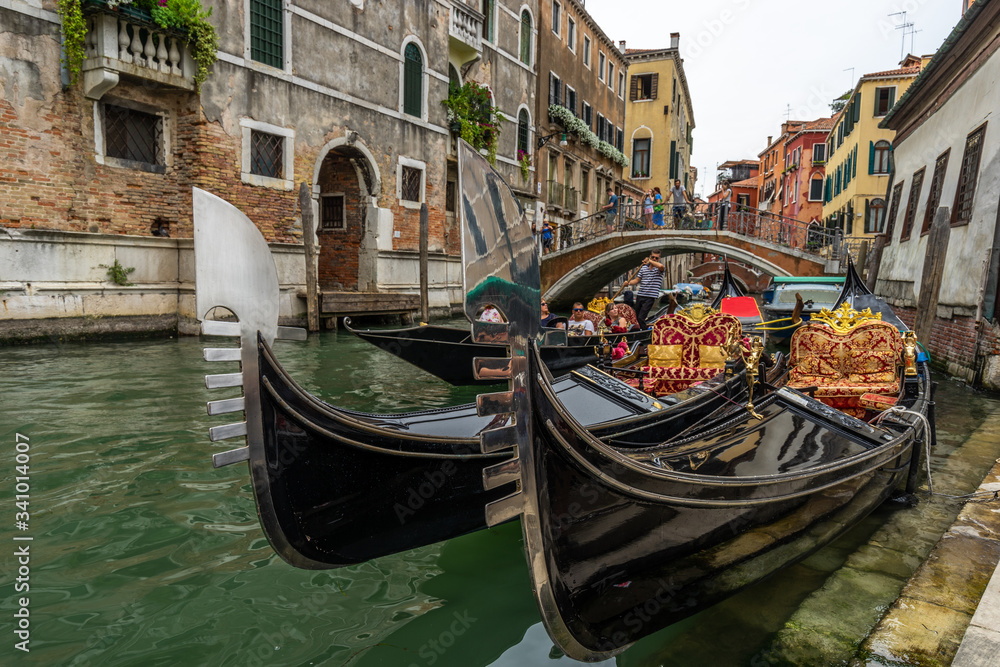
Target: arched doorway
346	183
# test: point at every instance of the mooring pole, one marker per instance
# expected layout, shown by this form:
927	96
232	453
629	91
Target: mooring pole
309	240
424	231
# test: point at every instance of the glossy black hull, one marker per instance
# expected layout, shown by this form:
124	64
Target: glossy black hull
345	487
447	352
626	543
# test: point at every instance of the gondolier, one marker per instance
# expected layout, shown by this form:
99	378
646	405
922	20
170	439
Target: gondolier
650	282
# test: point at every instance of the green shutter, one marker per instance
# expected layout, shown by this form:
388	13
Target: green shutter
267	31
892	98
854	163
857	107
413	74
871	157
673	160
525	37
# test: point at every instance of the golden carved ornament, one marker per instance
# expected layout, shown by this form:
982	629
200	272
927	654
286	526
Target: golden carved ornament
698	312
845	318
597	305
910	353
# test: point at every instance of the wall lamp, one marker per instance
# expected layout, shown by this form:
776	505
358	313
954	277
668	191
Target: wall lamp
562	141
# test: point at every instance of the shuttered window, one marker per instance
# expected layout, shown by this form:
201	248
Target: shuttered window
526	37
884	99
489	27
267	32
934	198
962	212
522	131
555	90
413	75
911	204
897	195
673	160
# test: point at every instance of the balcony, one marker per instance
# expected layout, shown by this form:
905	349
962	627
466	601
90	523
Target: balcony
465	32
572	200
119	44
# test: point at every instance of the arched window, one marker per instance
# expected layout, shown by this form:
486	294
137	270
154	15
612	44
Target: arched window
454	80
526	37
874	216
880	157
522	131
816	187
413	76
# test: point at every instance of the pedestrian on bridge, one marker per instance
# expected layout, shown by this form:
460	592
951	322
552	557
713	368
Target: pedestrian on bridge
680	198
610	210
650	282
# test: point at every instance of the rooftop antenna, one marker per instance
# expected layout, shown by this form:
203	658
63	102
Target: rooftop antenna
912	33
851	83
905	27
788	113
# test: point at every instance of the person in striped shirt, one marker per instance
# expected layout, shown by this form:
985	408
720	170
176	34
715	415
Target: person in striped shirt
650	282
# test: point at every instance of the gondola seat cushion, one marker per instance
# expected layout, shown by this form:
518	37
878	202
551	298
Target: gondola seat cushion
626	311
863	362
683	352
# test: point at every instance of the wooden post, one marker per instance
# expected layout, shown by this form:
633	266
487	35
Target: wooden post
424	231
309	240
933	272
875	261
863	258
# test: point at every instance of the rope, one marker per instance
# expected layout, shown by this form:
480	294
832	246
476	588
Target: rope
898	410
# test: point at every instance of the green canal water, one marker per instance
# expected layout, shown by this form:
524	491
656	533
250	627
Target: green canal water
143	554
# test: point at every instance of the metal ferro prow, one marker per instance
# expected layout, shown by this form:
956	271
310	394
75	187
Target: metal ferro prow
501	270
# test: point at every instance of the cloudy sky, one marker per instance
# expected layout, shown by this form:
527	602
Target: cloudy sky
747	61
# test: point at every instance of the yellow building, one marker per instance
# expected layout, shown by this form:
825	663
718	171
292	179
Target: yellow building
658	118
859	153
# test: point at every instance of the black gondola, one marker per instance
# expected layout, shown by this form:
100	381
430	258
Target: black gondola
662	533
447	352
335	487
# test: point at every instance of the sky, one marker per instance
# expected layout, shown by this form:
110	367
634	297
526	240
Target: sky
747	61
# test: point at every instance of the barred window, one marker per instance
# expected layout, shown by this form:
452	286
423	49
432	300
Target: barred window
267	32
266	154
522	131
410	185
133	135
331	215
449	196
962	212
525	37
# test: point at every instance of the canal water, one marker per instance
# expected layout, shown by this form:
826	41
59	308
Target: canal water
143	554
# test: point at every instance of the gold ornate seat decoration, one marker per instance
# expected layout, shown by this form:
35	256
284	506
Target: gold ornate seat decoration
852	358
597	304
688	348
845	318
697	312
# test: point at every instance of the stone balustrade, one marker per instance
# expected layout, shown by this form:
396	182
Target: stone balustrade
465	28
117	45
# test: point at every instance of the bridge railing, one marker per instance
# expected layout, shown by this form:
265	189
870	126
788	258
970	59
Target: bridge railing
807	237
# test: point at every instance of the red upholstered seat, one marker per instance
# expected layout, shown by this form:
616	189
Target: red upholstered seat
683	352
626	311
850	370
594	318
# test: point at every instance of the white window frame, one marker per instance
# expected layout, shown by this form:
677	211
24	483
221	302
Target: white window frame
287	181
621	85
611	75
813	156
586	51
286	38
895	97
100	146
531	37
343	213
557	20
424	78
566	91
822	187
571	34
602	61
413	164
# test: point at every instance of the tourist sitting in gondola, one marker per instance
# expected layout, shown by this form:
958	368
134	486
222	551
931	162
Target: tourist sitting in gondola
613	321
578	324
551	319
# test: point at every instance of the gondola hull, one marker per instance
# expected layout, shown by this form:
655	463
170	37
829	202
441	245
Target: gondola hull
624	544
447	352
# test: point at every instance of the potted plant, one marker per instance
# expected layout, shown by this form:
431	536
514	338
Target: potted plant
524	160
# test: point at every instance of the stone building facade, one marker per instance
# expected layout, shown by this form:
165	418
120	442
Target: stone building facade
940	262
583	73
342	96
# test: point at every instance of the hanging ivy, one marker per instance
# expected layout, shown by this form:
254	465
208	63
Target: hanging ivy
74	30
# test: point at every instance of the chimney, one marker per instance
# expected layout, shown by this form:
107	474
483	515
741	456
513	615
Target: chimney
769	137
675	40
621	46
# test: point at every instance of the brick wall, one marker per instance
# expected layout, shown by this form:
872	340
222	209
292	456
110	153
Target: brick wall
338	257
953	341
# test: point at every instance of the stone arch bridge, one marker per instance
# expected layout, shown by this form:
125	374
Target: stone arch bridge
583	269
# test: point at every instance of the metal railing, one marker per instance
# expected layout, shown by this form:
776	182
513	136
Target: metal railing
812	238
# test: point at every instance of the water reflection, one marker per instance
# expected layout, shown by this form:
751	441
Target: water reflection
144	554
